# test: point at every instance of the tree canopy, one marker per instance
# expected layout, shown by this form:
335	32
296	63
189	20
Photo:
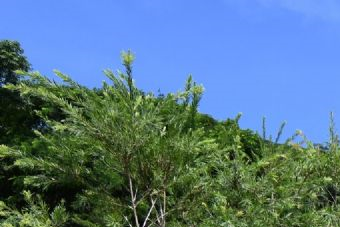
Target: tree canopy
119	156
11	58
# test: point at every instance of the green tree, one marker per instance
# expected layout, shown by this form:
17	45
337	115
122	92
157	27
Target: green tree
35	214
117	155
16	117
11	58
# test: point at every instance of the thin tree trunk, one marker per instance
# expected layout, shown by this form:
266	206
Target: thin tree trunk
133	201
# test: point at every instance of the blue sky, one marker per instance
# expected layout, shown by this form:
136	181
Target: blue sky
273	58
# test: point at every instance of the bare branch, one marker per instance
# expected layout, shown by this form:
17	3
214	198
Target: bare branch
133	201
150	210
126	219
164	205
157	214
135	198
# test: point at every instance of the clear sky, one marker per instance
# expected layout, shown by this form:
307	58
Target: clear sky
273	58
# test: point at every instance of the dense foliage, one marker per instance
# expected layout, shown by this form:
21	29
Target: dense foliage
118	156
16	116
12	58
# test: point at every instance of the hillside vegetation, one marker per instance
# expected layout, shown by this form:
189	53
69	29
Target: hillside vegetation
118	156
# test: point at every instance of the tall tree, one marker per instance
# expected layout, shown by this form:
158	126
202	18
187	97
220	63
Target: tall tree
117	154
16	117
11	58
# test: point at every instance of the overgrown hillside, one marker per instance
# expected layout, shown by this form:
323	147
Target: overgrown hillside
119	156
